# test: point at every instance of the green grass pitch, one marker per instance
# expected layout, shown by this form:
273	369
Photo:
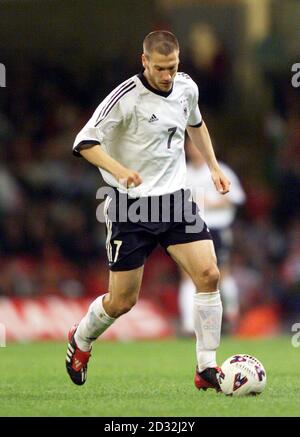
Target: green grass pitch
148	378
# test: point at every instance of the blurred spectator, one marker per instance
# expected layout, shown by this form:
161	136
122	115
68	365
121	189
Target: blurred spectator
10	192
290	275
219	213
271	57
208	64
288	174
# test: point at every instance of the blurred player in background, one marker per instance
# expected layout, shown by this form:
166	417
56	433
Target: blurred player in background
219	213
136	138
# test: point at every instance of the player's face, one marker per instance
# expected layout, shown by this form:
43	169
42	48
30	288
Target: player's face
160	70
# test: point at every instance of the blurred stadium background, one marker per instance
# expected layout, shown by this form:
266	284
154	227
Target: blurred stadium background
62	57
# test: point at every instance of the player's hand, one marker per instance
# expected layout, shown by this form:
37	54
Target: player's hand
129	178
222	183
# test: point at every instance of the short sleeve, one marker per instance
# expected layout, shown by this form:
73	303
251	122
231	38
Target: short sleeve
86	138
195	118
101	126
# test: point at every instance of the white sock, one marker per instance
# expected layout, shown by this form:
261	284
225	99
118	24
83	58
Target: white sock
208	321
186	304
93	324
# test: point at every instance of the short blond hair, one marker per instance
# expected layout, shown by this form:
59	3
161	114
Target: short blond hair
161	41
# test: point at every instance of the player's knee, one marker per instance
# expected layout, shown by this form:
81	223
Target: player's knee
209	278
123	305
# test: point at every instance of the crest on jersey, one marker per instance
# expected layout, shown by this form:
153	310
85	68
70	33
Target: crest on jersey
184	103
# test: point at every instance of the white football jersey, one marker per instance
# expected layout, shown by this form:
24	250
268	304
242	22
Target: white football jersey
143	129
200	182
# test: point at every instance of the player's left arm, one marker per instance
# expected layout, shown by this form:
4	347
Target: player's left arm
201	139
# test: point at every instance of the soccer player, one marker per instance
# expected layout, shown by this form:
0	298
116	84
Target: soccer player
219	213
136	138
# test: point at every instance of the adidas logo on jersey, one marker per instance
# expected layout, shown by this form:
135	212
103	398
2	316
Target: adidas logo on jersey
153	118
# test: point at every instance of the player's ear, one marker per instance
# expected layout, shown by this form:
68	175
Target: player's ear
144	60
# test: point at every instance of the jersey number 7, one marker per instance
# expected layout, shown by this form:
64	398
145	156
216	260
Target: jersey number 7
172	131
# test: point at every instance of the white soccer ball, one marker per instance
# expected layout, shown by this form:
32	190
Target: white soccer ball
242	375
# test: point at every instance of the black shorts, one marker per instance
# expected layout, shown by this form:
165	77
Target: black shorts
134	227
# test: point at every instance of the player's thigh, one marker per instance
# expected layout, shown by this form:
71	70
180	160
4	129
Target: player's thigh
125	285
196	258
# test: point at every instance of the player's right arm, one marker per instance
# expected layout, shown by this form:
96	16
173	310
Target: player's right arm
95	155
107	123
